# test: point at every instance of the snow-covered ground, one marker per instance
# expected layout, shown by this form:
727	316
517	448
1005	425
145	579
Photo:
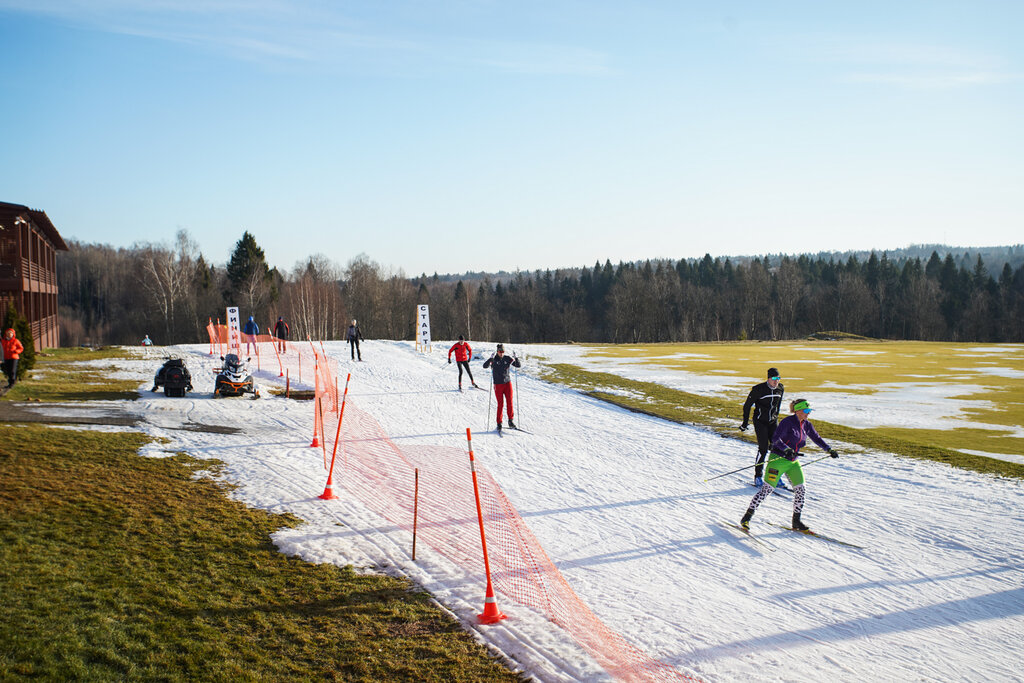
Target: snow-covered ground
619	502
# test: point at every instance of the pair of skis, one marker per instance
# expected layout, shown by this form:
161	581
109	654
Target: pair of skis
771	546
502	431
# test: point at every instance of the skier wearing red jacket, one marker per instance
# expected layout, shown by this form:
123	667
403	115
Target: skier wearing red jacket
463	352
12	351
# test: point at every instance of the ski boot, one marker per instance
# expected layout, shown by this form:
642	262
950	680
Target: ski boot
798	525
499	427
745	522
758	482
511	424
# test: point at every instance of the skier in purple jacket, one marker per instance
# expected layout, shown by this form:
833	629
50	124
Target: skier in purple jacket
789	438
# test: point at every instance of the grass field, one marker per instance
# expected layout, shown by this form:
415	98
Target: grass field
60	375
119	567
946	402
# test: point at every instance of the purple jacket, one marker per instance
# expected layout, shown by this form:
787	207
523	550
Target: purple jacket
791	433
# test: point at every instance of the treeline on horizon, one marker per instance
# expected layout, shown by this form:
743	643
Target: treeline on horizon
117	295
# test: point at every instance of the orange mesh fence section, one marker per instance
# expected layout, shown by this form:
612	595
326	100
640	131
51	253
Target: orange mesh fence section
381	475
218	337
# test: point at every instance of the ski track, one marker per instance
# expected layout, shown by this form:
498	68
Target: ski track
618	501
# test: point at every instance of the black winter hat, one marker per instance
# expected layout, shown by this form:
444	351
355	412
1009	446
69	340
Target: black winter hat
772	372
461	338
500	347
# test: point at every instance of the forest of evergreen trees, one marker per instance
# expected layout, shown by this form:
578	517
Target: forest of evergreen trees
116	295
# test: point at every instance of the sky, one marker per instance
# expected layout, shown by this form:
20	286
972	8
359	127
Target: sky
472	135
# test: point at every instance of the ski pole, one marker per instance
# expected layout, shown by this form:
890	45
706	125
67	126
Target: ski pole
517	391
717	476
490	391
724	474
824	457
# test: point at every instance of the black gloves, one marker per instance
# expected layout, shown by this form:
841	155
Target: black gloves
789	453
833	453
743	427
449	361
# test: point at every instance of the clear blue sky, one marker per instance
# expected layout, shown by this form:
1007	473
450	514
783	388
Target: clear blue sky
479	135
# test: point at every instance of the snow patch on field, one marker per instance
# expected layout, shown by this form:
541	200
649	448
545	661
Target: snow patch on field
997	456
1009	373
918	405
614	391
999	350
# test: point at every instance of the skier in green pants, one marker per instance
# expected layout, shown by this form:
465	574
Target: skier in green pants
789	438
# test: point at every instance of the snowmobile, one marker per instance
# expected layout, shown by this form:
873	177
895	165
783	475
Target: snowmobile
174	377
233	378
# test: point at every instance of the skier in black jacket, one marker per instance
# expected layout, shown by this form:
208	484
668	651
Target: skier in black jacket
281	330
499	364
766	399
354	336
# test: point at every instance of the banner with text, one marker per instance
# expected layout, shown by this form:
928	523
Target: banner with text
423	326
234	331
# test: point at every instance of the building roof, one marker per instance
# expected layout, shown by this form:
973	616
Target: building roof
9	212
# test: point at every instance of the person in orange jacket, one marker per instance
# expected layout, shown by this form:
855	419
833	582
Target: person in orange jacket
12	351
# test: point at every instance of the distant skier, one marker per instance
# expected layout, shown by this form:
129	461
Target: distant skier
12	352
251	330
463	352
789	439
281	331
499	364
354	336
146	341
766	399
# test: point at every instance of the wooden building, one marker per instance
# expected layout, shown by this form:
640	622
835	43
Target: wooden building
28	269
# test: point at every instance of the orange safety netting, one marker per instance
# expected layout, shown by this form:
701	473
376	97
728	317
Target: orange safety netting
381	475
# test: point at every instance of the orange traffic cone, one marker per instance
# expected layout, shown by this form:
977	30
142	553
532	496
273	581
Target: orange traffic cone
492	614
328	493
316	424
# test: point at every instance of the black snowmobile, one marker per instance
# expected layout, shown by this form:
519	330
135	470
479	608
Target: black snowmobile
233	379
174	377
